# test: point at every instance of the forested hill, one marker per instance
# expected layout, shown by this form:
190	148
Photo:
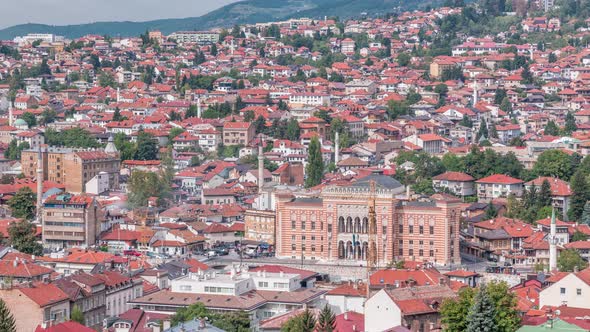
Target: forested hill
248	11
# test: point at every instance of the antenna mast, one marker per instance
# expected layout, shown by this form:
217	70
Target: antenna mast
372	245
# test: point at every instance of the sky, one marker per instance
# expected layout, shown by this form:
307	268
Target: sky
63	12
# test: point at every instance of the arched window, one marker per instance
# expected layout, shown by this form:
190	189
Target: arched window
357	225
349	225
341	227
341	253
349	250
365	225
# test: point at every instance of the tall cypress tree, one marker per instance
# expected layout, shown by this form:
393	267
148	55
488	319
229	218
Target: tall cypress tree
7	323
580	197
326	321
315	164
544	198
481	317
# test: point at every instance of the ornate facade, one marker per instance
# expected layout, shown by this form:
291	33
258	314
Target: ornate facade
334	226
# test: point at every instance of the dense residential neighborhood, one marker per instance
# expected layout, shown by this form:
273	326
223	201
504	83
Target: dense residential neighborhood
412	171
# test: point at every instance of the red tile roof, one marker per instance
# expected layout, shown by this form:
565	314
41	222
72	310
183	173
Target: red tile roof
19	269
558	186
454	176
350	321
499	178
69	326
44	294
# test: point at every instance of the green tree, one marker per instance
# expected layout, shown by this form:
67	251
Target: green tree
147	147
234	322
117	115
326	320
13	152
554	163
454	311
48	116
293	130
507	317
483	130
570	124
551	128
314	170
142	186
23	238
106	79
482	314
453	163
30	119
586	214
581	193
403	59
174	132
491	211
304	322
7	322
544	198
569	259
77	315
579	236
125	146
73	138
499	96
506	106
22	204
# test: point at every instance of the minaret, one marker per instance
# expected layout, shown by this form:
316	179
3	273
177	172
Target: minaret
337	148
39	184
118	95
10	115
260	167
474	93
199	107
553	244
531	51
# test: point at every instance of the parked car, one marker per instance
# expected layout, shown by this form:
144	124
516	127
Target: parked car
222	251
131	253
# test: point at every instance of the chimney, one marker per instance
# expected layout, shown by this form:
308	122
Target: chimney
346	316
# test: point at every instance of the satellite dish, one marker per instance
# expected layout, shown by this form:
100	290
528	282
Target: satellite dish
557	312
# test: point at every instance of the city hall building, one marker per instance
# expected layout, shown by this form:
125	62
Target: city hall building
334	225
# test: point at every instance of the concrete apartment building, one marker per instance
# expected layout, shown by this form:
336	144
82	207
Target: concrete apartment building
498	185
238	133
70	220
86	171
260	226
199	37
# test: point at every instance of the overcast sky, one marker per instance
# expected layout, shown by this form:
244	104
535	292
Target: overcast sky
63	12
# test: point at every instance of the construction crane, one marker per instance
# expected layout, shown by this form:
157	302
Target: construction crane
372	231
